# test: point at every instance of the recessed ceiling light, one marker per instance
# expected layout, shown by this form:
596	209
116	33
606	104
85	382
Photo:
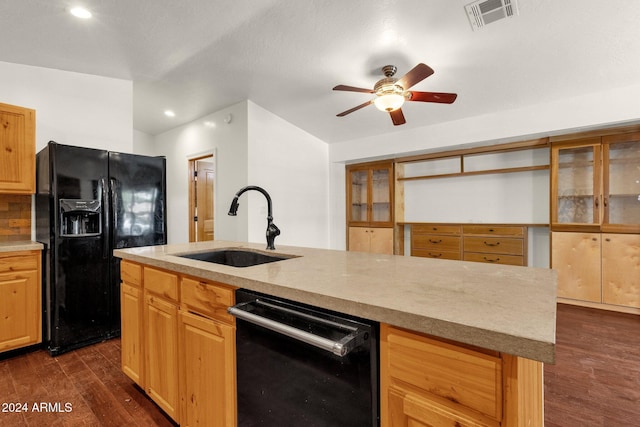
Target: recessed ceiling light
80	12
169	113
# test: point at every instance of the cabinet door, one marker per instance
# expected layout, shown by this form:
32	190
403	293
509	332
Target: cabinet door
20	309
131	310
575	185
207	372
381	240
358	196
381	195
576	257
621	180
18	145
161	349
359	240
621	269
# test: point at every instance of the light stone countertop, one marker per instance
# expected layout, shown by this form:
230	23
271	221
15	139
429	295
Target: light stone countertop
25	245
498	307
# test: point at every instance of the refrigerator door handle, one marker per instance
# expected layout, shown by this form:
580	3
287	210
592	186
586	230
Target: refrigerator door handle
105	216
113	185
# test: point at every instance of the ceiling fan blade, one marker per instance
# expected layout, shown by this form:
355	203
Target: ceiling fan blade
416	75
397	117
440	97
352	89
344	113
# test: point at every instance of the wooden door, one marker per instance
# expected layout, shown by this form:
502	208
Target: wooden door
359	240
19	309
621	269
201	199
381	240
17	149
576	257
131	336
161	344
207	373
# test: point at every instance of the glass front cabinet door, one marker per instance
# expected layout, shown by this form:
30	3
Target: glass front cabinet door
595	184
369	193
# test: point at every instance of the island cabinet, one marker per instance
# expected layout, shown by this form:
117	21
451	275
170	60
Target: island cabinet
595	220
370	207
18	149
132	315
178	343
161	339
425	381
207	353
20	299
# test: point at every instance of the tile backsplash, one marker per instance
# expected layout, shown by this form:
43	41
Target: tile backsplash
15	217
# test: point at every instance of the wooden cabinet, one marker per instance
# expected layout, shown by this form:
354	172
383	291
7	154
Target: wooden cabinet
132	321
20	299
17	149
430	382
370	207
595	193
598	268
595	184
495	244
207	345
490	243
161	339
374	240
178	343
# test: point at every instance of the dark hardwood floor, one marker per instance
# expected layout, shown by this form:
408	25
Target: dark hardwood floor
595	381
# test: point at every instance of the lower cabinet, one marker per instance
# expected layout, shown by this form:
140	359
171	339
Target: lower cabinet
374	240
207	380
178	344
600	268
20	299
430	382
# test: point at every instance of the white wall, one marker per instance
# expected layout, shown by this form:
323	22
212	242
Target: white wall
208	135
72	108
293	166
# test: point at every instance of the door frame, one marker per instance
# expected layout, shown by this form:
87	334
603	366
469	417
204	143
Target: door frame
192	189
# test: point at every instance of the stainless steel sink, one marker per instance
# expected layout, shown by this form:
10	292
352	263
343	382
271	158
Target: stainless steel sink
235	257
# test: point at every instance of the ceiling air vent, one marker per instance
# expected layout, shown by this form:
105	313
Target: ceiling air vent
484	12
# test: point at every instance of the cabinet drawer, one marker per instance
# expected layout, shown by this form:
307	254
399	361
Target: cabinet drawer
435	229
494	245
435	242
494	258
161	283
499	230
18	261
131	273
445	372
207	298
435	253
409	409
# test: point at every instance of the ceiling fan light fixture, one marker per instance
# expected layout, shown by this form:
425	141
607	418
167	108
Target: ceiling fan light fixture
389	102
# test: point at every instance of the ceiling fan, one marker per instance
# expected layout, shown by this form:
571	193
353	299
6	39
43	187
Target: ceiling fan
391	93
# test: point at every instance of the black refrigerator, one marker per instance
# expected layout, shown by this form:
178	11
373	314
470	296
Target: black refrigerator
89	202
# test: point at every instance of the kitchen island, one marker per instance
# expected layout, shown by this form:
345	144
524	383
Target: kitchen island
494	323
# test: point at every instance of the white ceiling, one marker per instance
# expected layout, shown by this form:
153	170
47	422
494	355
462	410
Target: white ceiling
199	56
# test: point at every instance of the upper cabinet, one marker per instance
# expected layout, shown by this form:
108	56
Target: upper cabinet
370	194
595	184
17	149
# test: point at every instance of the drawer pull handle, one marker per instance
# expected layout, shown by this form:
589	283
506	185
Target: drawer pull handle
491	260
491	230
435	241
492	244
434	255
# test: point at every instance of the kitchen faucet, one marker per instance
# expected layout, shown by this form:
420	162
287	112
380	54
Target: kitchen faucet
272	230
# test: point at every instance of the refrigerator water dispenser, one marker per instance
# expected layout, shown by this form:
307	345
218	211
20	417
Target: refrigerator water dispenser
80	217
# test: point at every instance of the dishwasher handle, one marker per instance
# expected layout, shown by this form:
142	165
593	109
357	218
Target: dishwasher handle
340	347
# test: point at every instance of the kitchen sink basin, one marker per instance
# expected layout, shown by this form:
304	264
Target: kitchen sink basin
235	257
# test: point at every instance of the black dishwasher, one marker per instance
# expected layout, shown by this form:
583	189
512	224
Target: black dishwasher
302	366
